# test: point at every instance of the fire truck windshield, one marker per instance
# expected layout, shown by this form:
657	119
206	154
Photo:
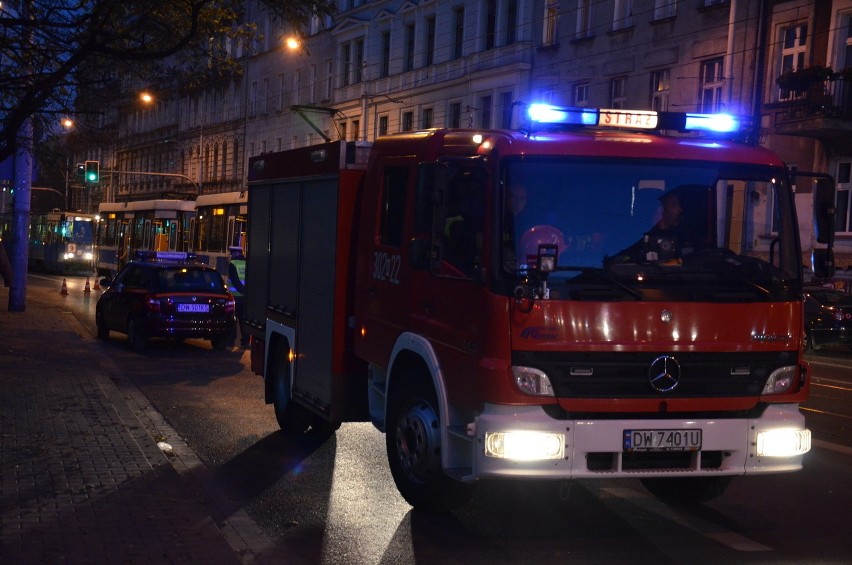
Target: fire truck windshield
650	229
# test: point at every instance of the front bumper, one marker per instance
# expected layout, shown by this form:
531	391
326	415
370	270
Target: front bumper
595	448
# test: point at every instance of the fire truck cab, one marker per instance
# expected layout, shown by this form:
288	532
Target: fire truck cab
559	302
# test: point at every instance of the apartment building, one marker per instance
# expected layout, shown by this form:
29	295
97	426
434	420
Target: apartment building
380	67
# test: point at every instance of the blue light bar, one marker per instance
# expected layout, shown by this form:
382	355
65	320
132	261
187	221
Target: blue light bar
720	123
549	114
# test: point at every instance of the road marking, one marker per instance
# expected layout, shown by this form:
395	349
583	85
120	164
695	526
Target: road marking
825	413
836	447
725	537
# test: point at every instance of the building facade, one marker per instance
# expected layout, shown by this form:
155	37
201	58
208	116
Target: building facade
379	67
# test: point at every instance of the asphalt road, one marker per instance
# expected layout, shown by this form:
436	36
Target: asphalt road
335	503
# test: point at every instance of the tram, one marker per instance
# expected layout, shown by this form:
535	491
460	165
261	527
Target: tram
220	222
62	242
150	225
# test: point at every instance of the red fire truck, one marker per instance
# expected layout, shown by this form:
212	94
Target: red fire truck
565	301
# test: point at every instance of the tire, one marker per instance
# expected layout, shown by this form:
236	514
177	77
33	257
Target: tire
296	422
221	342
103	330
687	491
136	335
413	438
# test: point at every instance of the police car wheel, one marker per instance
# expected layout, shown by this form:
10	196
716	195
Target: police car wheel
413	438
103	330
136	335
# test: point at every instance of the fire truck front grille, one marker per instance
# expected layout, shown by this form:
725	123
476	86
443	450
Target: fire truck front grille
654	461
629	375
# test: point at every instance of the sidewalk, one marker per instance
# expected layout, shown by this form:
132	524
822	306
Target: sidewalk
82	479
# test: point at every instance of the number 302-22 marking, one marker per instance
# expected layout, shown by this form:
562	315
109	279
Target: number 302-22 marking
386	267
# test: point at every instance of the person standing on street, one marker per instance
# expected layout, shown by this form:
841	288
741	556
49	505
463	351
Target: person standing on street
237	286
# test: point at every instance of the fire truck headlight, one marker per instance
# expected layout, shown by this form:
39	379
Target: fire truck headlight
783	442
524	445
532	381
780	380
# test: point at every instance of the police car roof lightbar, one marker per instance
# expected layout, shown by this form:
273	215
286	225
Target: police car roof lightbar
546	114
173	256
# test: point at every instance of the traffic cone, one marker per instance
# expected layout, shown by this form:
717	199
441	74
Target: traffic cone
64	291
87	289
97	286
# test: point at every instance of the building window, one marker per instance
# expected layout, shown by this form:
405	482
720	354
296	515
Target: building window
485	111
664	9
794	43
358	63
712	82
253	100
454	115
490	23
430	41
342	130
511	21
356	129
458	33
282	92
407	121
383	125
623	16
660	87
346	61
551	18
426	118
409	48
506	107
329	75
584	19
618	92
386	54
581	94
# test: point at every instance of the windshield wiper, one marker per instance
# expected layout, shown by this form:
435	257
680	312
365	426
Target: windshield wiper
599	275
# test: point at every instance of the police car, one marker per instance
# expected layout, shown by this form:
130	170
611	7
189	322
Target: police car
167	295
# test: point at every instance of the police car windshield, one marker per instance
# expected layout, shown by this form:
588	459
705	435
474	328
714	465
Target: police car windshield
189	279
641	220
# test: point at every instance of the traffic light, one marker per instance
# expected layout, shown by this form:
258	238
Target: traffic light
80	171
92	171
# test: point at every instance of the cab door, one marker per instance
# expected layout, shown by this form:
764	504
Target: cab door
383	269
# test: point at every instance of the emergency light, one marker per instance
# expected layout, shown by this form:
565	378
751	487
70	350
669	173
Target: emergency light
633	119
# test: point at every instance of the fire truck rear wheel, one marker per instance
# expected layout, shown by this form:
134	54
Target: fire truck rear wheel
296	421
413	437
687	490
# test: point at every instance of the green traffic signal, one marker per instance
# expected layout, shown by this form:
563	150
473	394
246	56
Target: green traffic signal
92	171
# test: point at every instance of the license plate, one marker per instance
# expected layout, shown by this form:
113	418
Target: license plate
662	440
187	307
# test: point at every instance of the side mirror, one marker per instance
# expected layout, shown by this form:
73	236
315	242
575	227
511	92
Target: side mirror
824	210
105	282
822	263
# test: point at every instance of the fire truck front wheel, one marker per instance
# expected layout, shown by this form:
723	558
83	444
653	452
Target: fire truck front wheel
413	437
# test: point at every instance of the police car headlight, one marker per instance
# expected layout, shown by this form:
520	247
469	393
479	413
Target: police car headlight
532	381
524	445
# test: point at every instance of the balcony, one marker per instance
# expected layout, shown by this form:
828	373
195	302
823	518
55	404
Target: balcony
823	111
